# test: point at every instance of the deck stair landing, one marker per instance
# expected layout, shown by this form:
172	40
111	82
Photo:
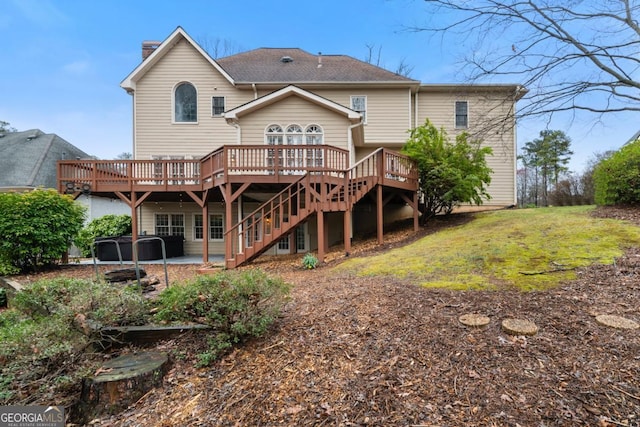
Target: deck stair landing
313	192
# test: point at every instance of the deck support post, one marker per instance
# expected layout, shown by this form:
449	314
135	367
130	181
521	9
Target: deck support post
322	243
379	214
347	232
134	225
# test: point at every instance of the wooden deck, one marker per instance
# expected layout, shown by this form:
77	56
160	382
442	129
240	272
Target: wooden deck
306	180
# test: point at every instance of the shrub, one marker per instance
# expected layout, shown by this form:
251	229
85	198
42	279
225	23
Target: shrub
237	305
38	333
37	228
449	173
107	225
617	179
309	261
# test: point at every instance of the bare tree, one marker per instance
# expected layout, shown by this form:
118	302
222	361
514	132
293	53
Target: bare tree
374	57
571	55
219	48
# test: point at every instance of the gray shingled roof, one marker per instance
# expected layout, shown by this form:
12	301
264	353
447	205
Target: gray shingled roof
266	65
28	158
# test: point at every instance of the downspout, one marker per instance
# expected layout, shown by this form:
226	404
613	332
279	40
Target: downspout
255	91
416	108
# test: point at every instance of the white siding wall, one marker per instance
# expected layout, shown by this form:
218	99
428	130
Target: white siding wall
483	107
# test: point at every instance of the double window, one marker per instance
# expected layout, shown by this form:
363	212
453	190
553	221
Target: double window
169	224
185	103
462	114
216	227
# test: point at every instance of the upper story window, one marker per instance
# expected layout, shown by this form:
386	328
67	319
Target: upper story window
294	135
359	104
314	135
274	135
462	114
185	103
217	106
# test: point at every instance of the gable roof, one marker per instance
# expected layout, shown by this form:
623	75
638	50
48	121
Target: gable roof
28	159
129	83
286	92
295	66
275	66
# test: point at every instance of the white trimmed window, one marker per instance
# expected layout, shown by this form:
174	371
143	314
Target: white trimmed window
169	224
359	104
217	106
216	227
185	102
462	114
314	136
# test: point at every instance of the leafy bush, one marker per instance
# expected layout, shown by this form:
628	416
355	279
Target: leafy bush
3	297
309	261
235	304
37	228
39	334
617	179
449	173
107	225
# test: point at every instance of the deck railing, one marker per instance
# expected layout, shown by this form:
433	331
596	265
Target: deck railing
225	163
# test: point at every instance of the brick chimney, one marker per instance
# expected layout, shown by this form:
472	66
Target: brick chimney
148	47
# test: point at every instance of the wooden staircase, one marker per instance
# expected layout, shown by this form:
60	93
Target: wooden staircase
280	215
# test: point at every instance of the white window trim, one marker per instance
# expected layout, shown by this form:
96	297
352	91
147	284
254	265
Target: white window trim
173	104
224	108
366	106
455	121
193	227
155	223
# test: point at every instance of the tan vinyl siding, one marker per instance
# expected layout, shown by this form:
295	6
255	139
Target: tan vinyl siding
388	113
483	107
191	246
156	132
296	111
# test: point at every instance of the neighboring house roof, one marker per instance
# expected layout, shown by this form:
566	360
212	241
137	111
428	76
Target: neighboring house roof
276	66
634	138
28	159
293	65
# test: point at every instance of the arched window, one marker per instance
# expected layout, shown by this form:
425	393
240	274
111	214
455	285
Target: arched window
294	135
186	103
274	135
314	136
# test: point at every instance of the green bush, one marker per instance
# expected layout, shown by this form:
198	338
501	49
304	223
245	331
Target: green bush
40	335
236	305
107	225
617	179
309	261
37	228
449	173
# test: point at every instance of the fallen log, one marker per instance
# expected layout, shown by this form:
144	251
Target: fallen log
123	275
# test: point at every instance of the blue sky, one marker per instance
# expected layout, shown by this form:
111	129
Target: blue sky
63	60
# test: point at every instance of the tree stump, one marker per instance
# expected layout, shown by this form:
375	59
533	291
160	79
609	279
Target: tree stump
519	327
617	322
123	275
122	381
474	320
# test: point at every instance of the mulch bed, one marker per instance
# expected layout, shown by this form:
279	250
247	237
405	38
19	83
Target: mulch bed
381	352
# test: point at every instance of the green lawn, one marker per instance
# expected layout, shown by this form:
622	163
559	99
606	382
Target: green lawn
531	249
